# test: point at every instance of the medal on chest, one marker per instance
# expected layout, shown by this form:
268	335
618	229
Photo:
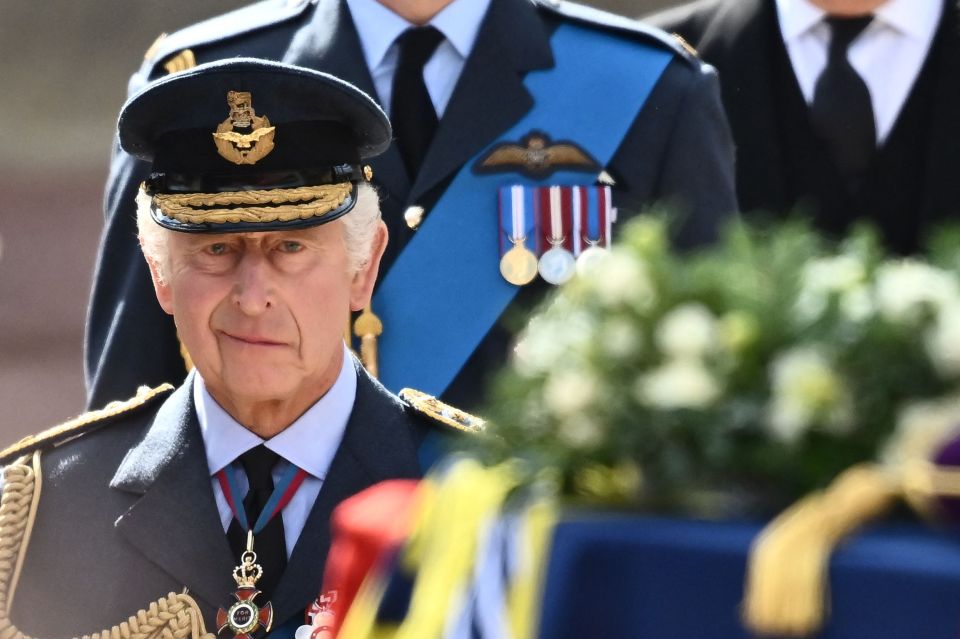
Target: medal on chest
245	617
518	264
596	221
557	264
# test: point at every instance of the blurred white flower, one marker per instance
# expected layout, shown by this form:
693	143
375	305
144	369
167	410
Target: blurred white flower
824	277
806	389
580	431
690	330
922	427
809	305
680	383
833	274
620	277
856	304
620	338
569	391
905	286
942	340
552	339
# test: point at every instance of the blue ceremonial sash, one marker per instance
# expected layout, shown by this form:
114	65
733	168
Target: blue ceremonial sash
445	292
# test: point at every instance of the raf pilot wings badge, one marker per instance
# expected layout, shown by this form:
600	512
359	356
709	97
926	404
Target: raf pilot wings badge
536	156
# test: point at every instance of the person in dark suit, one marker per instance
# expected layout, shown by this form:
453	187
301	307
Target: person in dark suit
841	110
460	91
260	233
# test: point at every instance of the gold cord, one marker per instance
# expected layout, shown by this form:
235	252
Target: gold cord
176	616
273	205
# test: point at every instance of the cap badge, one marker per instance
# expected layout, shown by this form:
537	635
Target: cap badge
244	137
536	156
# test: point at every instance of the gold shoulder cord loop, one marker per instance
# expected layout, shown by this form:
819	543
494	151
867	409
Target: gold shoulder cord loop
368	328
176	615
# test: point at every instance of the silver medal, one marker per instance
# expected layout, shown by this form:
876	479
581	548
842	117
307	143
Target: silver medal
557	265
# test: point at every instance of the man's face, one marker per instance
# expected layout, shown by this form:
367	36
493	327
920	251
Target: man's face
263	314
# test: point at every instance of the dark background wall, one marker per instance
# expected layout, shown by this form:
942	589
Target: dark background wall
63	71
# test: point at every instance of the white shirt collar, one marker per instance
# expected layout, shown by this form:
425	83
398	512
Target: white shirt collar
797	17
914	18
309	443
378	26
917	19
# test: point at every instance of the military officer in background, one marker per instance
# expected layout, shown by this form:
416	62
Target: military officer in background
261	233
484	95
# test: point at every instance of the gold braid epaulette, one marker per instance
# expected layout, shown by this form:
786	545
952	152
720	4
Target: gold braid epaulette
175	616
79	425
442	413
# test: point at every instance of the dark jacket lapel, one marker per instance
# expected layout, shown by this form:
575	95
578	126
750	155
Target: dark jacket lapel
175	523
943	154
489	96
378	443
329	42
740	41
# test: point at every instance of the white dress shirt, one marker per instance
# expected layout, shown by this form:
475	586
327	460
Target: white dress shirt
309	443
379	27
888	55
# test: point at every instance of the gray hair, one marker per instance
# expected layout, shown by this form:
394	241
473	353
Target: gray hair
359	229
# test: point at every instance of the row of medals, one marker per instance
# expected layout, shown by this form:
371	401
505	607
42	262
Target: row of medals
520	265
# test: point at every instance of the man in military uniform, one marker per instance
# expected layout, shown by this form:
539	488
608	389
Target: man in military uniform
261	234
461	80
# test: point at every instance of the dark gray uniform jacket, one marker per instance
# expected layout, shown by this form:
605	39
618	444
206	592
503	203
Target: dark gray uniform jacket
127	514
678	148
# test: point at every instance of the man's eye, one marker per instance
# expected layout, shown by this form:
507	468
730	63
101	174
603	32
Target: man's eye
291	247
219	248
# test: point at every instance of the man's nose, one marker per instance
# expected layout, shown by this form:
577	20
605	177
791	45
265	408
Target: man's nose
253	289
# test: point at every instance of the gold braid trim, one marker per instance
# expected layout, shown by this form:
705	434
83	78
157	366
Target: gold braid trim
292	204
81	424
176	616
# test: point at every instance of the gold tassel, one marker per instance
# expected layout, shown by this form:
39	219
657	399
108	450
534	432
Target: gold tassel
368	328
787	587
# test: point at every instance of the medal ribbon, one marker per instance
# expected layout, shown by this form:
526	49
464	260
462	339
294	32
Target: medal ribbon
282	494
517	217
556	217
576	199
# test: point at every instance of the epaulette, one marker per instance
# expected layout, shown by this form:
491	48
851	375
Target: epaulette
239	21
443	414
620	24
83	424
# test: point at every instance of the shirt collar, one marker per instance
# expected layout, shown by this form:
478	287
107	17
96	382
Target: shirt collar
797	17
308	443
917	19
378	26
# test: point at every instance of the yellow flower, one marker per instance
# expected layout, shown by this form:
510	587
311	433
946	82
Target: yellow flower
737	331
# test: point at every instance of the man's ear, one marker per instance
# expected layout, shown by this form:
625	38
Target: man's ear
361	289
160	286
